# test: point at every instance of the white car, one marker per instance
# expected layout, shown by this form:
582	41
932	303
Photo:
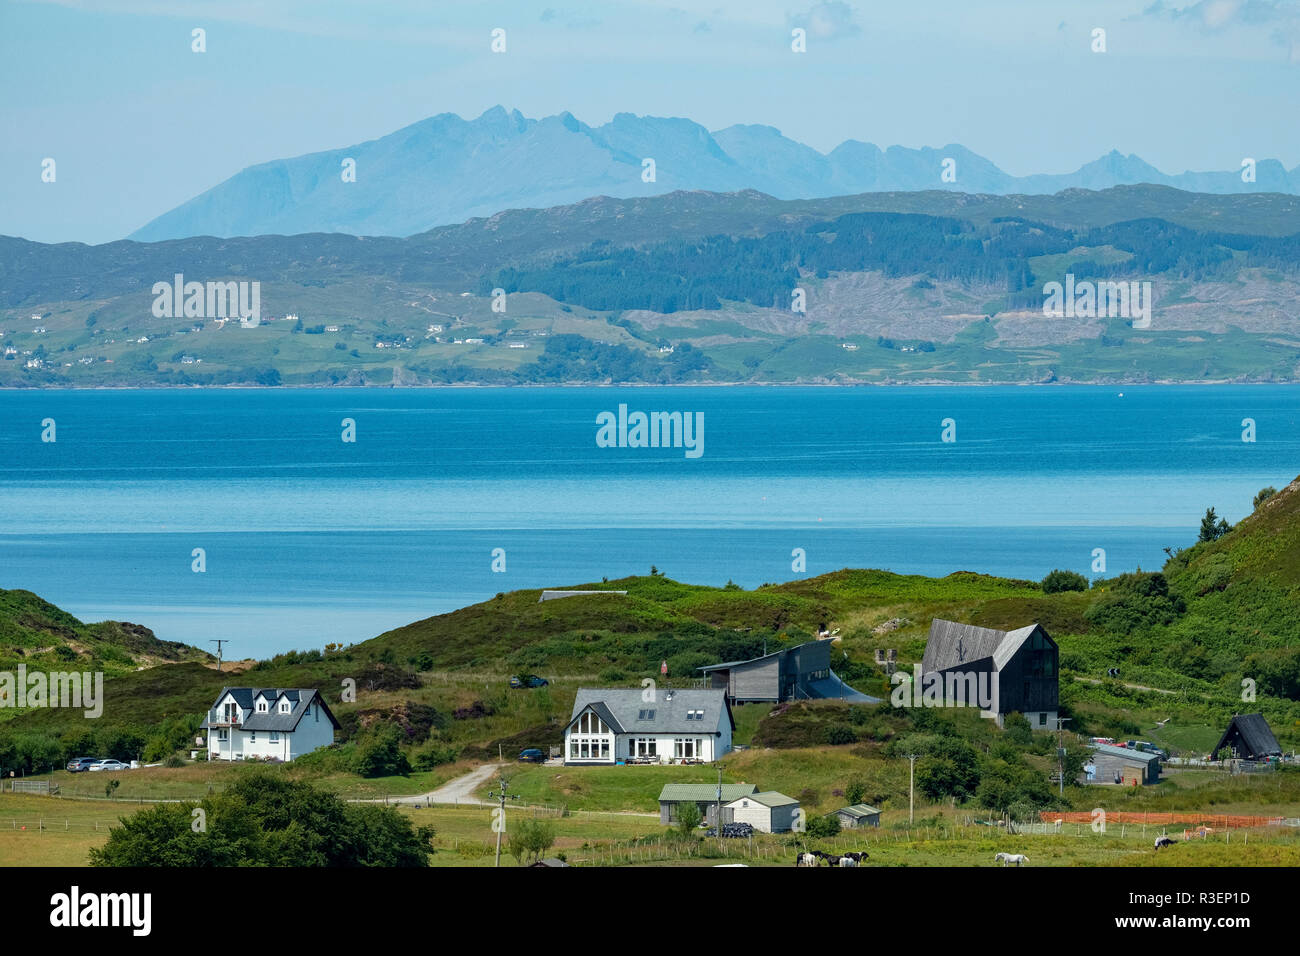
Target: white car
108	765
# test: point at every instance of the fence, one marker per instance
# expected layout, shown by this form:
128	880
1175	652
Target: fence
34	786
1221	821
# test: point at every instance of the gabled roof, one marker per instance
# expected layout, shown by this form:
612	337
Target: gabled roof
1256	736
859	810
704	792
623	710
1141	755
770	799
300	700
953	645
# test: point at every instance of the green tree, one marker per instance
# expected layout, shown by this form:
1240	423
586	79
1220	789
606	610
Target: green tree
824	827
1263	495
1213	527
688	817
528	840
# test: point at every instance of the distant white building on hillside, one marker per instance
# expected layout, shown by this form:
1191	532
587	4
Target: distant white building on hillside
268	723
618	725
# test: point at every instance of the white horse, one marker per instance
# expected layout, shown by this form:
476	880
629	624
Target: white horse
1013	859
848	861
806	859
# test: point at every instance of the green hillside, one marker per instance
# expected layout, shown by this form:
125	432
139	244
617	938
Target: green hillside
1183	640
40	635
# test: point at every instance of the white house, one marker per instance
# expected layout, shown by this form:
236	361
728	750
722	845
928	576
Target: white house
268	723
618	725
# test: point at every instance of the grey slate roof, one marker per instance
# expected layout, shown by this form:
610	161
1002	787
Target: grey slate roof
952	644
859	811
726	665
621	708
300	698
1256	736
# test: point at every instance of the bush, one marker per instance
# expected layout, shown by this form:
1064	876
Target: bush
824	827
1058	581
838	734
379	755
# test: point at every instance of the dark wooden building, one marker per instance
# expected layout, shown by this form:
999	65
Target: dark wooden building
795	673
1018	670
1248	737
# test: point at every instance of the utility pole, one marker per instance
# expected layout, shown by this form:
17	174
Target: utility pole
219	642
911	798
501	796
717	812
1060	753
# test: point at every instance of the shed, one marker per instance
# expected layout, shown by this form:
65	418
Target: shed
703	795
1131	766
858	815
768	811
1248	737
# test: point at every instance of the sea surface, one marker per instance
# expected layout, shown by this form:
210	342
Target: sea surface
308	539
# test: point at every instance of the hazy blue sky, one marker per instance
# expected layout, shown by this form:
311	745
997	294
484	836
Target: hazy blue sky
138	123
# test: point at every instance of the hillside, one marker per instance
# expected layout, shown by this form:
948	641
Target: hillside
1220	612
690	287
446	169
40	635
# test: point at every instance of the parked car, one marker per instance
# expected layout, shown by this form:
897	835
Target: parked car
108	765
530	680
80	764
532	755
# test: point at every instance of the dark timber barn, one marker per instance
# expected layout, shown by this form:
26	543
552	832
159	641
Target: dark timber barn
1248	737
795	673
1025	662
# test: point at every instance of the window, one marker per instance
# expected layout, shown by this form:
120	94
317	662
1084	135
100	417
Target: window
695	715
284	707
252	736
261	707
275	737
646	715
1042	719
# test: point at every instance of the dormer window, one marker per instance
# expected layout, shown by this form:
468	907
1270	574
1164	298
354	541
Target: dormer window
284	707
261	707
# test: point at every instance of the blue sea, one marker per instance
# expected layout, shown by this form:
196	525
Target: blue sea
309	539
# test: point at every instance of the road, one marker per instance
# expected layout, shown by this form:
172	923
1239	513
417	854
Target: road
461	790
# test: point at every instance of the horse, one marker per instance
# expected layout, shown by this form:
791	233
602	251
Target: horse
1164	841
1014	859
857	855
848	860
807	859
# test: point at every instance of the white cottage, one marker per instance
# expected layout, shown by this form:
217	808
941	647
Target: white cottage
617	725
268	723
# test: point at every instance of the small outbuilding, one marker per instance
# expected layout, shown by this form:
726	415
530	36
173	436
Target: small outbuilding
858	815
1248	737
768	811
1123	765
704	796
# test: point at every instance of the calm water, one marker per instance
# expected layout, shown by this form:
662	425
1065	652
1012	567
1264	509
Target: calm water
310	539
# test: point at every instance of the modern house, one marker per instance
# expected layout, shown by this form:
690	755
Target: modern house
268	723
858	815
767	812
704	796
1248	737
1019	668
1121	765
802	672
619	725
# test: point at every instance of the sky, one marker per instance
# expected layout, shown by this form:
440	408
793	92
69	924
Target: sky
137	122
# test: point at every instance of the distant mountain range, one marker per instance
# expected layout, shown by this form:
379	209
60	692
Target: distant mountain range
447	169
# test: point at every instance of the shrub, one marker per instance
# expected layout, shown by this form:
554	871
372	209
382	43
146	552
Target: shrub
824	827
1058	581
